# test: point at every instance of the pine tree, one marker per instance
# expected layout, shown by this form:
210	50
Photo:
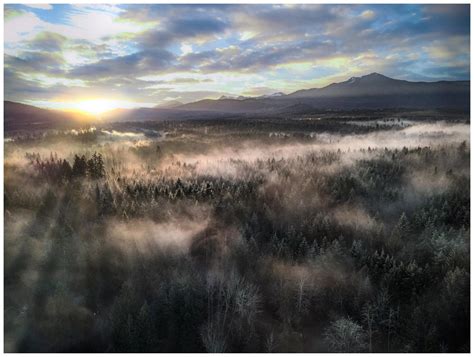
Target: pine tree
66	170
79	168
95	166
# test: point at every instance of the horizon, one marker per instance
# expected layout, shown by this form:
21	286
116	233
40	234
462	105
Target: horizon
142	56
234	97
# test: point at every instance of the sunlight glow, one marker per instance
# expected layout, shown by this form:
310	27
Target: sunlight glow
97	106
91	106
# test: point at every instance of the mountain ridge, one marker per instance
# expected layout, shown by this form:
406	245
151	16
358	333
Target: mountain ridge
372	91
378	83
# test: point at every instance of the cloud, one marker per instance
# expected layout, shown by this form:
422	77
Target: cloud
48	41
185	49
135	64
177	30
368	14
189	27
182	81
83	23
228	48
47	62
40	6
280	18
22	26
258	91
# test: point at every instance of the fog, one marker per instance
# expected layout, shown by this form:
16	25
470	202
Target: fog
215	238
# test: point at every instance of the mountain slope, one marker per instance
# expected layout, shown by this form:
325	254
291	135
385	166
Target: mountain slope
169	104
228	105
19	116
376	84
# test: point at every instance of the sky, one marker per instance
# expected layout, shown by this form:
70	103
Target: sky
100	57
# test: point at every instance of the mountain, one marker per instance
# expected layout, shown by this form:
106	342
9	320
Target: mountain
236	97
226	105
274	95
157	113
373	91
19	116
376	84
169	104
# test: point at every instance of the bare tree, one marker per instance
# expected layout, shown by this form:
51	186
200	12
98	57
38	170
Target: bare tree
345	335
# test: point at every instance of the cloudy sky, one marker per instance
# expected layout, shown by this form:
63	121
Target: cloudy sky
60	56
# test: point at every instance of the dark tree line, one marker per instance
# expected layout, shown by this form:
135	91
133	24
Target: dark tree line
60	170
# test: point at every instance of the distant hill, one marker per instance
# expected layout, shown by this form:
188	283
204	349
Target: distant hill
19	116
229	105
158	113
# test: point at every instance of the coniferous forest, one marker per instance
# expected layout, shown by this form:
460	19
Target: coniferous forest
332	234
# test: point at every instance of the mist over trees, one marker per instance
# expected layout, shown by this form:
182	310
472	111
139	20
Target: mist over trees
345	235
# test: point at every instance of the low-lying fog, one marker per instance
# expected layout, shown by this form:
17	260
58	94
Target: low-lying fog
263	234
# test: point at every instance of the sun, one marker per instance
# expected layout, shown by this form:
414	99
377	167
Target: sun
97	106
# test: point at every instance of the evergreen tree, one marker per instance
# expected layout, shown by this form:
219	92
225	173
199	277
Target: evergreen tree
79	168
95	166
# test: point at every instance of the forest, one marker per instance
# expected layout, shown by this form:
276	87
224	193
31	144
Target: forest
331	233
